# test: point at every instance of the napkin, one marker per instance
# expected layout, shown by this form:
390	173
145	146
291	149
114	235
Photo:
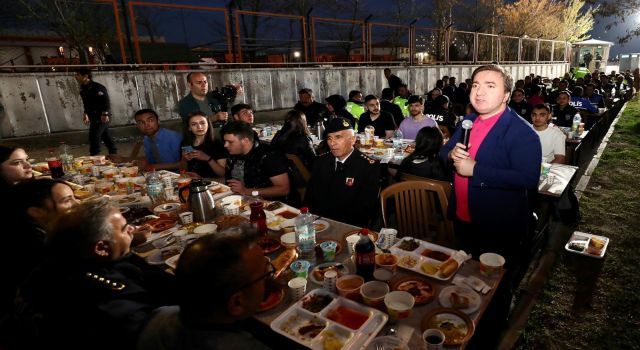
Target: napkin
471	281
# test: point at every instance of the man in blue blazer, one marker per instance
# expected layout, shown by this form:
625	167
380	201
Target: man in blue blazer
489	204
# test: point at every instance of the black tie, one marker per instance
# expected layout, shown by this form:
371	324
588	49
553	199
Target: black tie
339	167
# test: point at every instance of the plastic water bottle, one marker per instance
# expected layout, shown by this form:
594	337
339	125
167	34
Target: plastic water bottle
397	141
64	153
577	119
154	186
306	236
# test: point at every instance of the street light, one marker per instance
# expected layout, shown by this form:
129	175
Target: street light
296	54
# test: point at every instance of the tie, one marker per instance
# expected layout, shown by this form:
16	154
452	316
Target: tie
339	167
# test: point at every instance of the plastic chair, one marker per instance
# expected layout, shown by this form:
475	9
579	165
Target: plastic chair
420	210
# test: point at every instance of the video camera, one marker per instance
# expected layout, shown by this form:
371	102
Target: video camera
226	95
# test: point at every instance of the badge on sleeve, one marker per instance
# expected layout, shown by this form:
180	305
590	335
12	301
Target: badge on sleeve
349	181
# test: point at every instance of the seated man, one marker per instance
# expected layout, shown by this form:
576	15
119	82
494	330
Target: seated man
91	292
380	120
344	183
34	206
520	105
580	102
161	146
312	109
355	105
221	281
242	112
441	114
551	138
416	120
595	99
563	113
387	105
253	165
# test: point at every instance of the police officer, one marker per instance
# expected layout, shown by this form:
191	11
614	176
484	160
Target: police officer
97	112
441	114
344	182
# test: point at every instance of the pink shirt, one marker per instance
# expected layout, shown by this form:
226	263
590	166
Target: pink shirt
461	183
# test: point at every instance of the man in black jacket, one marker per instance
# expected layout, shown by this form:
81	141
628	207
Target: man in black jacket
387	105
97	112
312	109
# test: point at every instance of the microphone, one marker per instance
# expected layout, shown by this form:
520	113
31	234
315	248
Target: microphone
466	133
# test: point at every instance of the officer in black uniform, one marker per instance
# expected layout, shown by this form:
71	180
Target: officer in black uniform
97	112
344	183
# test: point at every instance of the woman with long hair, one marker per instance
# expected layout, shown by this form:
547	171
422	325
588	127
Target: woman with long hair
294	138
203	154
14	167
424	161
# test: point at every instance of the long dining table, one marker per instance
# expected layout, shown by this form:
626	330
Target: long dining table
408	330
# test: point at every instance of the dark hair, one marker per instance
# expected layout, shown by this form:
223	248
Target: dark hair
440	100
239	129
415	99
369	98
535	89
33	193
210	270
305	91
295	123
191	74
564	92
6	152
544	106
428	143
508	80
240	106
353	93
403	85
563	81
145	111
430	94
190	137
84	71
387	94
520	90
387	70
578	90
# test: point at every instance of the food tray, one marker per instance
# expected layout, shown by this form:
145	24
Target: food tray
219	190
416	254
292	320
584	239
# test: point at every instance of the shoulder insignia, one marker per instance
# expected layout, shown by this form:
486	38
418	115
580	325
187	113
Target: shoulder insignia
99	280
370	160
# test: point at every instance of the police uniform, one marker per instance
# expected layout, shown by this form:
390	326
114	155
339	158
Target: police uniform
346	192
96	103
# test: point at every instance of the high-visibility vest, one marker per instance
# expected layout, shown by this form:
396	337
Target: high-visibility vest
356	110
402	103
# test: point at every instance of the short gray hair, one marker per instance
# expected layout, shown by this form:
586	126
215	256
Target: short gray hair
75	233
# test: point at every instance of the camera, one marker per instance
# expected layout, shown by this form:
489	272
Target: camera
225	95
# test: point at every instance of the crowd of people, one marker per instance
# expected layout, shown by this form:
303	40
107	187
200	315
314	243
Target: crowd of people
70	276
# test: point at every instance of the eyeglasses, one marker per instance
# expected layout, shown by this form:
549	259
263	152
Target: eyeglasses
268	275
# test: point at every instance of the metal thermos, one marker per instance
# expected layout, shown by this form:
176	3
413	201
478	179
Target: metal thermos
200	201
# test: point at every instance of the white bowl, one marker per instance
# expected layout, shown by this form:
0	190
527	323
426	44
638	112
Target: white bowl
205	229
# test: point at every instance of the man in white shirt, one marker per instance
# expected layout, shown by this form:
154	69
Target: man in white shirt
552	138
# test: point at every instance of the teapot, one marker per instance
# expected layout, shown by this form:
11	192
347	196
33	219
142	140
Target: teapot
200	200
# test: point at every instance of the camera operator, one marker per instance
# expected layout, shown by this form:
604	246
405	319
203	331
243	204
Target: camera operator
213	103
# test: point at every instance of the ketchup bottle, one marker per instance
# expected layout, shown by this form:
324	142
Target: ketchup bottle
258	218
365	256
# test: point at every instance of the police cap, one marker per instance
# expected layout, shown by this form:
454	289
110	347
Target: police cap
338	124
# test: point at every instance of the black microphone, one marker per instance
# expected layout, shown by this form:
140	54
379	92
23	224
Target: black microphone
466	133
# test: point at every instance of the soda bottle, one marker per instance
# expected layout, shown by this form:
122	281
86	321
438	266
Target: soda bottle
306	236
55	165
258	218
365	256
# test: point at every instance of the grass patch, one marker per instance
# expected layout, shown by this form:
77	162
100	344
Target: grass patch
589	303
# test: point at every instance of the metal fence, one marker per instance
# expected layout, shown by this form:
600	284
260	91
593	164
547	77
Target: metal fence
162	33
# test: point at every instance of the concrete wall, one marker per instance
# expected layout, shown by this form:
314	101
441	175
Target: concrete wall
43	103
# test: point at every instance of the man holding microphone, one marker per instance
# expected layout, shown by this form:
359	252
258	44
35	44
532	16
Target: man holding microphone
493	176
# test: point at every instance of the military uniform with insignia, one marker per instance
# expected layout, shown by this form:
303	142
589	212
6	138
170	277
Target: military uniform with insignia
348	191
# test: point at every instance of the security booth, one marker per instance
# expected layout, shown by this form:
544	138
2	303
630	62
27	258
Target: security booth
592	54
629	61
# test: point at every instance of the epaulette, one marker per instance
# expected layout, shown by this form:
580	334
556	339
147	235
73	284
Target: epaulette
104	282
370	160
327	152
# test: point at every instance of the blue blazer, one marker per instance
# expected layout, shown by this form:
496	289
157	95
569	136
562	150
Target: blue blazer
508	166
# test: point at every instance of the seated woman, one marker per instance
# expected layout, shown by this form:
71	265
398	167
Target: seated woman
294	138
203	155
14	167
424	161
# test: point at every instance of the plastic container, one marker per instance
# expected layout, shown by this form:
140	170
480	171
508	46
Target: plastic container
306	236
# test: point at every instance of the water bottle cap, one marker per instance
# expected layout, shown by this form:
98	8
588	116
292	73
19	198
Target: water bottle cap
254	193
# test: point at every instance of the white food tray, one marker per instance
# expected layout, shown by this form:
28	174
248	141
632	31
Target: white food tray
585	238
420	259
295	317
